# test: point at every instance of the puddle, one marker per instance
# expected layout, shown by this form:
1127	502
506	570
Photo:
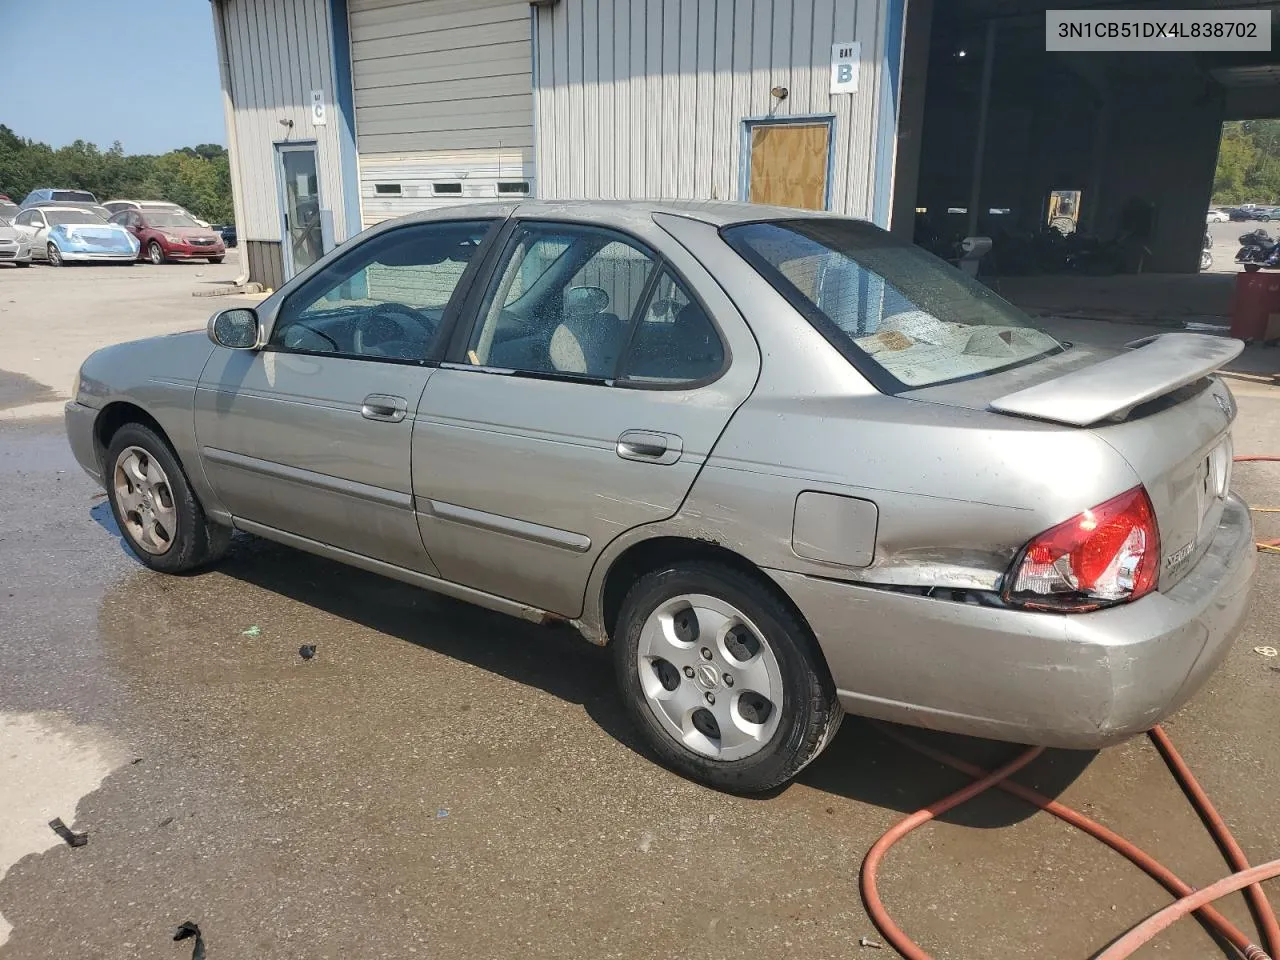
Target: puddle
46	766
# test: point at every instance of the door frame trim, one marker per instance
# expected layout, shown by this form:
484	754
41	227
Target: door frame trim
808	119
280	148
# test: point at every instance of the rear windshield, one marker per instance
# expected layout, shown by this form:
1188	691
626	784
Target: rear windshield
905	318
60	217
80	196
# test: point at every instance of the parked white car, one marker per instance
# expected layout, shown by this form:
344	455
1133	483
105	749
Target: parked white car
1216	216
119	206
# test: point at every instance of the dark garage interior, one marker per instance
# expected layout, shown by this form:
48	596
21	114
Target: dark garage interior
1119	146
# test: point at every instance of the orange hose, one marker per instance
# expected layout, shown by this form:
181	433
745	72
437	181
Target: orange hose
1261	906
1214	921
1163	919
999	778
879	915
1259	459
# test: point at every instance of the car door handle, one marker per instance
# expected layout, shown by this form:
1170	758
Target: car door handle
648	446
380	406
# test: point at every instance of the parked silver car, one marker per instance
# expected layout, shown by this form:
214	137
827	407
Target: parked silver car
786	465
14	245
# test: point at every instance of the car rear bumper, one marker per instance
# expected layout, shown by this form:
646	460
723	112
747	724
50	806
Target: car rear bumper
1082	680
79	422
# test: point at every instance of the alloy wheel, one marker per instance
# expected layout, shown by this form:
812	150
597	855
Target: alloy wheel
55	255
709	677
156	254
144	499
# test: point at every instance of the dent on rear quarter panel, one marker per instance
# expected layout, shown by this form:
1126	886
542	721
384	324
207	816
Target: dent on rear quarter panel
957	492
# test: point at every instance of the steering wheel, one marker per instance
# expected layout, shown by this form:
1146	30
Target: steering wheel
394	329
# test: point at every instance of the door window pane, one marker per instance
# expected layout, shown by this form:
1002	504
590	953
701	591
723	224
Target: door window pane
385	297
562	302
302	207
675	341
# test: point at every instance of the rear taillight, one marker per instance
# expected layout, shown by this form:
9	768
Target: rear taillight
1100	557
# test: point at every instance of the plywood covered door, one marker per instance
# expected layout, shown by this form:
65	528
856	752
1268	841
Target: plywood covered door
790	164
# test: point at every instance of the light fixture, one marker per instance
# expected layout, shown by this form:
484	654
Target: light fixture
286	122
780	93
959	53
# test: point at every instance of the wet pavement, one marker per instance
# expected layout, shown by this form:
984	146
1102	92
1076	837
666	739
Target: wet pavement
439	780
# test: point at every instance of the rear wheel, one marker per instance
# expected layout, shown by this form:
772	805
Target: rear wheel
155	253
162	522
722	678
55	255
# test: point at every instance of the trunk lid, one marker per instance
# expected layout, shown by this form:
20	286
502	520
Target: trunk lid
1157	404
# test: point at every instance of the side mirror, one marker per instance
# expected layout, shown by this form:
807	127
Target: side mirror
235	329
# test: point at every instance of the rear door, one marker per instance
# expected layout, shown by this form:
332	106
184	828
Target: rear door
598	370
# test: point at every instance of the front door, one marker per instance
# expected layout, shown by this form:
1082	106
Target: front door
300	206
789	163
311	434
581	402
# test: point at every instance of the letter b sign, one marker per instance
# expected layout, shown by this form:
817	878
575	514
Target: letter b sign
844	67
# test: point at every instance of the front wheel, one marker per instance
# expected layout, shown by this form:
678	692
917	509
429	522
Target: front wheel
155	253
55	255
23	263
160	519
215	259
722	677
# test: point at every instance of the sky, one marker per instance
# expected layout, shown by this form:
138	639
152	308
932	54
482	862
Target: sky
144	72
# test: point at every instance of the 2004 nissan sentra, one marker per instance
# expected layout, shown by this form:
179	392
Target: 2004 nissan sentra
784	464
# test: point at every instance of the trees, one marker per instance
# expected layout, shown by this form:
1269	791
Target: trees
198	178
1248	163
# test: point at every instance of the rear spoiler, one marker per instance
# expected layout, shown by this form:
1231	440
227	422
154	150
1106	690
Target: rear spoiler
1109	390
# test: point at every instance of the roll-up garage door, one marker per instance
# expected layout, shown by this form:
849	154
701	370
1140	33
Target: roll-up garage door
443	102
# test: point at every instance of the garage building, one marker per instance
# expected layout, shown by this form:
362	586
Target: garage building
342	113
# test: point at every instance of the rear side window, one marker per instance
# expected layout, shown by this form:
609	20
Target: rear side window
674	340
583	302
905	318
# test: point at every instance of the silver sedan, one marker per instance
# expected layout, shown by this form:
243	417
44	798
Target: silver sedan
15	247
785	465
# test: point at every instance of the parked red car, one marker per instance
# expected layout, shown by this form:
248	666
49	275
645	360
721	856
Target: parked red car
165	235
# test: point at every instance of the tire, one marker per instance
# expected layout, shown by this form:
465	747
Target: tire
215	259
781	654
155	253
23	263
191	540
55	256
1252	268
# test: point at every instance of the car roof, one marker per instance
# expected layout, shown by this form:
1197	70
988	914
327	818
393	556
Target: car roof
716	212
615	213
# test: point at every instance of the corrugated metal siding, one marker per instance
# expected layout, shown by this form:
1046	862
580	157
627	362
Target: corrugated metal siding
639	98
443	93
278	51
